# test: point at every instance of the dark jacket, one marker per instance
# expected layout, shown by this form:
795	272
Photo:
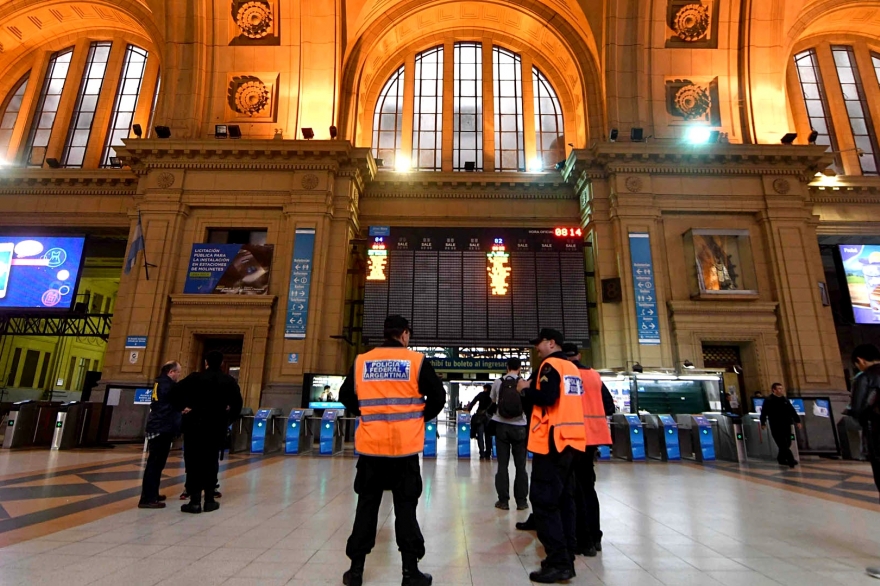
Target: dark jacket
780	412
215	400
483	400
864	395
164	417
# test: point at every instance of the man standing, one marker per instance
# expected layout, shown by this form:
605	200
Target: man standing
598	404
394	391
866	358
510	435
480	421
211	399
163	425
779	410
556	437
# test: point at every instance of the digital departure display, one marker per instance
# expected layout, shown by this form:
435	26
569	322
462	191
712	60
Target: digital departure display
476	286
39	272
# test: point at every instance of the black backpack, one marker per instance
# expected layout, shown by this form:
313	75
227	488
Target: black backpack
509	399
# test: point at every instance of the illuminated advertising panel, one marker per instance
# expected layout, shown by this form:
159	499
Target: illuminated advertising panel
39	272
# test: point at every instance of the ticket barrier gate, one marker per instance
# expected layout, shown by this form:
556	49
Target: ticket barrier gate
696	438
47	415
850	433
242	430
67	426
298	436
730	442
266	434
21	425
463	433
628	436
331	439
604	452
661	437
431	431
759	442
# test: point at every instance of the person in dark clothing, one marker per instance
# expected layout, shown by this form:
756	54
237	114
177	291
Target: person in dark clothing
779	410
511	435
480	421
864	406
210	400
385	388
163	425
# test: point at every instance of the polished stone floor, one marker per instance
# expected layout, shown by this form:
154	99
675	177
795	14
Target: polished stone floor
69	519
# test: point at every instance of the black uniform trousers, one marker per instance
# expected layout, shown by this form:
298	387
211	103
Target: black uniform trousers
552	496
159	447
200	456
589	531
782	436
375	475
871	447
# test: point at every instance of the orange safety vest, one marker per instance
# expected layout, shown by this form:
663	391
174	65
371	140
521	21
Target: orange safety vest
392	422
565	417
595	424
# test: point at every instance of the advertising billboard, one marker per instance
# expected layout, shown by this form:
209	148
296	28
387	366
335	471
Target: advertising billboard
861	263
39	272
230	269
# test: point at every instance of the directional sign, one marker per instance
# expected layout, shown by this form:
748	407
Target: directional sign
643	277
300	283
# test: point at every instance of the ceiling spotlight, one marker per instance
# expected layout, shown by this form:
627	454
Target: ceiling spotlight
559	166
380	163
698	135
333	132
234	131
637	134
830	172
221	131
402	164
536	165
688	364
789	138
470	166
814	134
53	163
737	369
138	130
638	368
613	136
115	163
308	133
163	132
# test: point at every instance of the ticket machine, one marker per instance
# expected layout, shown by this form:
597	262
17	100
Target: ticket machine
431	439
696	437
297	433
628	437
463	432
266	434
661	437
331	439
67	424
21	424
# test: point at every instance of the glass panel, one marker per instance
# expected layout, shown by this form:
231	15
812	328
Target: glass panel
428	113
47	108
125	105
10	115
856	108
388	120
814	97
509	140
86	105
467	139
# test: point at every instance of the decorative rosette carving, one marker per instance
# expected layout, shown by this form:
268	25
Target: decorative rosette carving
692	22
254	19
781	186
165	180
309	181
248	95
692	101
633	184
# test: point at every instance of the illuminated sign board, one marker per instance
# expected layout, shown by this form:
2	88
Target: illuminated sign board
39	272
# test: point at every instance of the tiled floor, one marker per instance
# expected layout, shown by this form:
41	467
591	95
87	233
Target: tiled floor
285	521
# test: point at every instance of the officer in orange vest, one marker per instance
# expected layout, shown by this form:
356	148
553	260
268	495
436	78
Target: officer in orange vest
394	391
598	404
556	437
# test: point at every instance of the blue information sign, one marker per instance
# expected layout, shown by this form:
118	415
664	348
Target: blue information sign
143	396
647	320
798	405
136	341
300	284
380	230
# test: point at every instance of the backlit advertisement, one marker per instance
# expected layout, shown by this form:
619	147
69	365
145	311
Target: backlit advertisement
861	262
39	272
229	269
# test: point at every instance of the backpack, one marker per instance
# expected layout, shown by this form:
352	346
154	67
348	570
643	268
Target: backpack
509	399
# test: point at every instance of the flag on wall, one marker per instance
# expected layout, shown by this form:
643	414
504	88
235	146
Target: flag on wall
137	245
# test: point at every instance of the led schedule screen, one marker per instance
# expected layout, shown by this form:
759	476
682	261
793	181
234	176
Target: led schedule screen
477	286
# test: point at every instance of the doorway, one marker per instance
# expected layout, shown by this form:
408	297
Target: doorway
729	359
231	348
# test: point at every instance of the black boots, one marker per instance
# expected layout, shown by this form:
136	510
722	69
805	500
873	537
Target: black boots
191	507
211	506
411	574
354	576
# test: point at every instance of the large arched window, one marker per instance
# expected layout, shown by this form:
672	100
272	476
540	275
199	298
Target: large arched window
86	105
498	120
125	105
10	115
47	108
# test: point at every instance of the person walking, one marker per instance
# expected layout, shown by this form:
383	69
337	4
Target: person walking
510	437
211	399
394	391
598	404
480	421
556	436
779	410
163	425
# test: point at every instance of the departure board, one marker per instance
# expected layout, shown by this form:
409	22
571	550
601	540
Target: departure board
477	286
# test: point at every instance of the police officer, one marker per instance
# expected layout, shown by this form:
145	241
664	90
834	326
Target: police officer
598	404
394	391
556	437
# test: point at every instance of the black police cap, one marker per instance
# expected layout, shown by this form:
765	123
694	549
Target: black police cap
548	334
570	349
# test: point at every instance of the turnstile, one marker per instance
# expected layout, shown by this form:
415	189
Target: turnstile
463	433
850	433
298	434
696	438
730	443
266	434
628	437
21	425
331	439
67	426
47	416
431	432
604	452
661	437
242	430
759	446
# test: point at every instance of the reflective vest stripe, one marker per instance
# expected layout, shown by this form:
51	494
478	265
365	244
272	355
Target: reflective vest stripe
562	424
594	417
391	416
387	402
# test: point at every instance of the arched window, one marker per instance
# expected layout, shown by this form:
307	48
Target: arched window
428	110
47	108
388	120
467	120
86	105
856	107
509	138
549	130
10	115
126	101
